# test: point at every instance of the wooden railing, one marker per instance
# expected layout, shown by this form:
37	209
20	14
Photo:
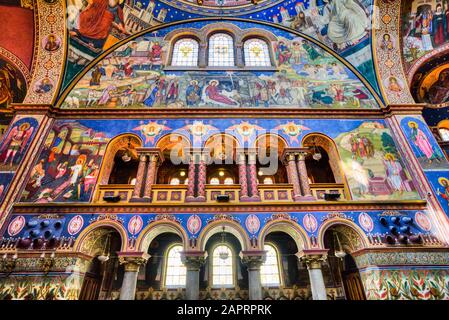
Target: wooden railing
320	189
169	194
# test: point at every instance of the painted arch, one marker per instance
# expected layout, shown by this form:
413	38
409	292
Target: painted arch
138	75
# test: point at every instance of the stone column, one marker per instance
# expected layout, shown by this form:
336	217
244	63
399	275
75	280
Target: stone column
132	264
243	176
151	176
203	56
193	262
292	172
313	259
254	182
303	177
202	176
140	178
254	261
239	55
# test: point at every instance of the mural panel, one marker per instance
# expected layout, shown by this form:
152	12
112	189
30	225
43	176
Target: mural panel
423	144
137	75
13	85
425	28
68	166
343	26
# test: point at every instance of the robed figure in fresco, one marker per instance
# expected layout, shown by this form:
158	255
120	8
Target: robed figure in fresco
420	139
15	143
97	20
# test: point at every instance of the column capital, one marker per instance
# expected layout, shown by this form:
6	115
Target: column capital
193	260
133	260
289	154
154	154
253	259
313	258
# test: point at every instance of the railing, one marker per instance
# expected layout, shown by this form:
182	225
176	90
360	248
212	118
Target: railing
169	194
320	189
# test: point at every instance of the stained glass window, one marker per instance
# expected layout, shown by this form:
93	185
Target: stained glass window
269	271
221	50
256	53
444	133
175	271
222	267
185	53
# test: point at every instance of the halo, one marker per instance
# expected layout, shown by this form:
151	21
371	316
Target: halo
440	180
390	156
411	123
26	125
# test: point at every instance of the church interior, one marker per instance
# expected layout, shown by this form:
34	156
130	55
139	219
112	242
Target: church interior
224	150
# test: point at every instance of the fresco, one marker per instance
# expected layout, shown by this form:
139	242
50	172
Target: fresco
68	166
16	141
5	181
136	76
431	83
12	85
423	144
425	28
373	165
342	26
439	181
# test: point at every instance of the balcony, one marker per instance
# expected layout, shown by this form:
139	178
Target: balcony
176	194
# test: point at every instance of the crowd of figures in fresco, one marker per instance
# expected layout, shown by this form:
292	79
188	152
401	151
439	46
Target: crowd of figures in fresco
134	76
373	165
68	166
426	27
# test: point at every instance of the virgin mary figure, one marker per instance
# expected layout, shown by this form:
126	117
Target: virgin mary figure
348	22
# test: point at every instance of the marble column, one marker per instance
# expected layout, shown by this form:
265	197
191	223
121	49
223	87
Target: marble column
243	176
191	176
202	176
304	178
140	178
151	176
203	56
132	265
193	262
313	260
254	182
292	171
254	262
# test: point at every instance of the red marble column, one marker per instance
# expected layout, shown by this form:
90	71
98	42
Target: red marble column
202	176
151	175
303	177
292	172
243	178
191	177
252	163
140	178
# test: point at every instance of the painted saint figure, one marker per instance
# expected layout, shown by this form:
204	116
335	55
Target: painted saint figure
420	139
16	142
214	94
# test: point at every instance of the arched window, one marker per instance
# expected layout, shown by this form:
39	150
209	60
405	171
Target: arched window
221	50
185	53
444	133
222	267
256	53
175	275
269	271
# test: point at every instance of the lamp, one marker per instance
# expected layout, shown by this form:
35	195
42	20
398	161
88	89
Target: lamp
339	253
127	156
317	156
223	253
105	255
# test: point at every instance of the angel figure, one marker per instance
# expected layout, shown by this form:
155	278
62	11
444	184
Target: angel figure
16	142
